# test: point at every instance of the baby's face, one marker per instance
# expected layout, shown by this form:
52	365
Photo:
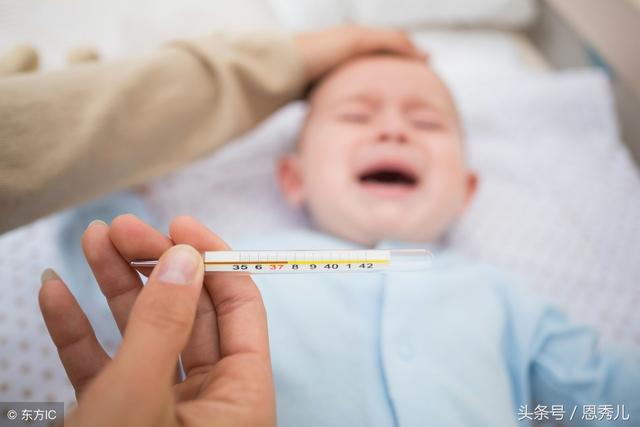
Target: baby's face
380	155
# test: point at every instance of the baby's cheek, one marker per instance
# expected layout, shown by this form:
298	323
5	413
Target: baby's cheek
449	163
321	182
446	188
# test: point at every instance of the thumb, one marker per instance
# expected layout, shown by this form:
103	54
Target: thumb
162	316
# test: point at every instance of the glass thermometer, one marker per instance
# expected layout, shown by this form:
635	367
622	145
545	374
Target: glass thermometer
310	262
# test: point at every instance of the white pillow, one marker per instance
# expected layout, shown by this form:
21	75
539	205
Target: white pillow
408	14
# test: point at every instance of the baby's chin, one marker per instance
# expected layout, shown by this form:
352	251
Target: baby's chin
370	234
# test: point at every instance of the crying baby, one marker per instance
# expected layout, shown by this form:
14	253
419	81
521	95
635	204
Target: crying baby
380	164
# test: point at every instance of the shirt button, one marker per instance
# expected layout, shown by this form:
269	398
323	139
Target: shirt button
405	351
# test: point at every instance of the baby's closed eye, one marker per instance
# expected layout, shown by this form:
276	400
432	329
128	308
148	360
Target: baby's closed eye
425	121
354	116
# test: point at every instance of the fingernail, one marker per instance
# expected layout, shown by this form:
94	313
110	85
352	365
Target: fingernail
96	222
49	274
179	265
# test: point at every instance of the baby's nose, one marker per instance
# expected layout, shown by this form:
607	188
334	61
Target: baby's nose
389	135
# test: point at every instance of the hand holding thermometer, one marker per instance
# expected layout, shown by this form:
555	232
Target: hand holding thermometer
317	261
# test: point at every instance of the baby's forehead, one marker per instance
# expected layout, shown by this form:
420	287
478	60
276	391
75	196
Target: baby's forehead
382	78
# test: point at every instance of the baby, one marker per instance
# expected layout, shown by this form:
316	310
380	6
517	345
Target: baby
380	163
381	154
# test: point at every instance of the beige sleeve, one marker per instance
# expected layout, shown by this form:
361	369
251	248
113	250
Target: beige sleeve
69	136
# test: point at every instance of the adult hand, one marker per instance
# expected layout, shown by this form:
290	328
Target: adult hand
219	331
323	50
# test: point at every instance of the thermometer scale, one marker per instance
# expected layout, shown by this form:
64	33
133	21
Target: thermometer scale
310	261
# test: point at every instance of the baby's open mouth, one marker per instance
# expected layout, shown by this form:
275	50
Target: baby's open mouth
389	180
390	177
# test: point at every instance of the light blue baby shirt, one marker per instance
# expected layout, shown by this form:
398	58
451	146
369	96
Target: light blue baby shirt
455	345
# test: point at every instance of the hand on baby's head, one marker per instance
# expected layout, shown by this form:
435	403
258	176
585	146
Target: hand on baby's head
381	154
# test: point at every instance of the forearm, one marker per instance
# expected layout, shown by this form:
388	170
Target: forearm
69	136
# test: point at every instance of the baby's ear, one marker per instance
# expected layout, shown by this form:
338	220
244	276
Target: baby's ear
472	186
290	179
